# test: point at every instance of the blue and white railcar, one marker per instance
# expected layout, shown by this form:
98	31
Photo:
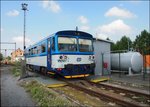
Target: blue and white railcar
67	53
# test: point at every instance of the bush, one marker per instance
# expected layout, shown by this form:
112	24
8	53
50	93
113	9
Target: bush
16	70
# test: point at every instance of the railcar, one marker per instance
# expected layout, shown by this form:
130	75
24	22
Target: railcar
66	53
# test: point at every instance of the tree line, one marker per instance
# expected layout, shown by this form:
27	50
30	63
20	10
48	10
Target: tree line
140	44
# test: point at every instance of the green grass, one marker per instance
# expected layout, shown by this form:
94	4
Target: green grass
44	96
16	70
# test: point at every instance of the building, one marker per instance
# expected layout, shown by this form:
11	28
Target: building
102	50
17	55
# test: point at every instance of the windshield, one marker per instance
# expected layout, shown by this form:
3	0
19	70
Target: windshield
66	44
85	45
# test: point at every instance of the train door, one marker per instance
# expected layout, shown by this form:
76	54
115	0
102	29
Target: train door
49	54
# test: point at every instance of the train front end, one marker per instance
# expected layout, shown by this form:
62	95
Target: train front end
74	55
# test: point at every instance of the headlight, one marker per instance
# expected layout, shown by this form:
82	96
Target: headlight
93	57
90	57
65	57
60	57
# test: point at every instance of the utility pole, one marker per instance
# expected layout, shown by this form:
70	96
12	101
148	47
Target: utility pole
24	73
24	8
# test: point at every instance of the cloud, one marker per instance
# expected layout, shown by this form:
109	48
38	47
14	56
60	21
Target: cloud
83	20
51	5
13	13
118	12
101	36
84	28
114	29
115	26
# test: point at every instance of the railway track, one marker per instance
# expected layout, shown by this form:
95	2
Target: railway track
95	90
125	89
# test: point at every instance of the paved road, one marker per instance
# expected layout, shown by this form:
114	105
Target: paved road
11	93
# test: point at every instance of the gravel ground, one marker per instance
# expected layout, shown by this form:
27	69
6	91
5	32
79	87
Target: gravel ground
11	93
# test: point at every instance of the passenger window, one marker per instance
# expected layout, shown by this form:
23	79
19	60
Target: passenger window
43	48
35	50
32	51
29	52
38	49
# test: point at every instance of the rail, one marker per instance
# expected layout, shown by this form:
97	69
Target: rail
108	96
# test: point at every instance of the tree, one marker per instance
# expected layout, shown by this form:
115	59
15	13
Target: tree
1	56
122	44
142	42
9	58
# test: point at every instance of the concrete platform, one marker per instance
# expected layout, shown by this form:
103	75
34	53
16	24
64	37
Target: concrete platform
46	81
134	79
97	78
50	82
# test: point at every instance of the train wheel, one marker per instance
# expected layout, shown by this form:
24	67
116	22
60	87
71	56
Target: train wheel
44	71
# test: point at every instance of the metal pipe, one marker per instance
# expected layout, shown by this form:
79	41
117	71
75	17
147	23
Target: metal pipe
24	30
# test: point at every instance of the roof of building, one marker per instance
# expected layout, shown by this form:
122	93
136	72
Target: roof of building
17	50
108	41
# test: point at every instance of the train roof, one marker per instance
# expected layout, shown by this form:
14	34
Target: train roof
74	33
66	32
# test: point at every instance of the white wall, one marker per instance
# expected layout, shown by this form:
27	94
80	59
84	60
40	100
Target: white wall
101	47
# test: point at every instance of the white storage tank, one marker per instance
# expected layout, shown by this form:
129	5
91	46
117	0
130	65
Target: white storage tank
129	59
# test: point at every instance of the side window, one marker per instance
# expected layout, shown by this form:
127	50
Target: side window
39	50
53	44
35	50
49	45
43	47
29	52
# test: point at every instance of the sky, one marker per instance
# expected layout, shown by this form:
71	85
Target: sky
102	19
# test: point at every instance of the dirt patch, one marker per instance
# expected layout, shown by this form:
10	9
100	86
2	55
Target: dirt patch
12	95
